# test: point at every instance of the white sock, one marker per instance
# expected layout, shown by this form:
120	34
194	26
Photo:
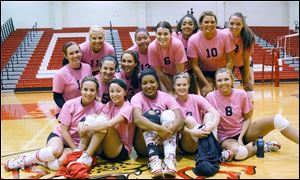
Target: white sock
170	146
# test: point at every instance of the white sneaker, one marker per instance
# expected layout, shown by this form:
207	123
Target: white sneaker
170	168
85	159
155	165
271	146
226	155
16	163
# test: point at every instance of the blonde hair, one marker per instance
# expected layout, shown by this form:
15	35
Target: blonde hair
96	28
184	75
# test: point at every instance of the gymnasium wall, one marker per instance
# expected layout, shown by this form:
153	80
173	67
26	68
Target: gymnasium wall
58	14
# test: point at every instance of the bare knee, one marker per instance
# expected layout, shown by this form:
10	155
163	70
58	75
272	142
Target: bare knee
57	151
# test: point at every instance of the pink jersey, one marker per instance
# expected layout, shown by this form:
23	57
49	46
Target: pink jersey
179	36
167	58
211	53
71	114
103	89
162	102
195	106
231	109
93	59
239	49
67	81
130	90
125	128
143	58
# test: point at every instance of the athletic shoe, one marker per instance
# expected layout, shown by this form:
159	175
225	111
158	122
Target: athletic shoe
155	165
272	146
227	155
170	169
85	159
16	163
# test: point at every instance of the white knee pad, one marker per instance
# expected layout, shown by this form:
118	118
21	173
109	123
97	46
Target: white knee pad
167	117
53	165
89	120
251	95
280	122
242	153
101	118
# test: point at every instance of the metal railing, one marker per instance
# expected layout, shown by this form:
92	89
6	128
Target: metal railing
6	29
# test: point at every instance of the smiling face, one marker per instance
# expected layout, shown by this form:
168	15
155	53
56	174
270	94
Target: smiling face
117	94
127	63
74	56
224	83
163	37
149	86
142	40
181	86
97	39
236	25
187	26
89	92
107	70
209	25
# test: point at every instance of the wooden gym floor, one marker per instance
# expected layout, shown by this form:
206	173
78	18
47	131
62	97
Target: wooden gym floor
27	119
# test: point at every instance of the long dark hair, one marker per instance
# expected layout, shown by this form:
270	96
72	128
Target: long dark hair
196	27
246	32
136	70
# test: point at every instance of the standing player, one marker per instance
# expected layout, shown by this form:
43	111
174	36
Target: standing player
186	27
96	48
142	41
166	55
208	50
67	80
236	132
244	41
65	138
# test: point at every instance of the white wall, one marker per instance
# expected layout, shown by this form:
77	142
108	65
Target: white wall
60	14
293	13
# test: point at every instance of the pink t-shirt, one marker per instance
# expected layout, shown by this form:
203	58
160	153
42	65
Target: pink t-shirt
71	114
163	101
125	128
93	59
179	36
103	90
143	58
211	53
239	49
231	109
130	90
67	81
167	58
195	106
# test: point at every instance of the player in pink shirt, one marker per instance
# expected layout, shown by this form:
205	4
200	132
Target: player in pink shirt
186	27
96	48
208	50
66	81
108	67
65	138
236	132
158	118
113	129
196	111
244	41
166	55
130	72
142	41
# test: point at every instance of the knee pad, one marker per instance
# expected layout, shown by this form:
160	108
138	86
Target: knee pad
167	117
152	116
242	153
250	95
53	165
89	120
280	122
101	118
